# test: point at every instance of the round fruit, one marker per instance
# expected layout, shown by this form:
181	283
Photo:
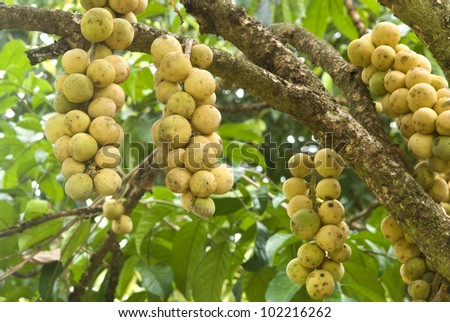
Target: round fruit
443	123
201	56
114	92
70	166
175	67
224	178
296	272
200	84
421	145
165	89
122	35
123	6
295	186
104	130
438	82
441	148
385	33
113	209
101	72
59	81
99	51
82	147
61	148
393	80
404	250
439	190
122	226
206	119
121	67
398	101
405	60
391	229
421	95
417	75
336	270
107	182
376	84
331	212
76	121
163	45
305	223
55	127
188	200
174	131
328	163
62	105
359	52
177	180
442	105
300	164
383	57
310	255
181	103
320	284
75	61
413	269
79	186
328	188
424	120
419	290
203	183
101	106
97	24
330	238
142	4
78	88
341	254
367	73
204	207
298	202
107	156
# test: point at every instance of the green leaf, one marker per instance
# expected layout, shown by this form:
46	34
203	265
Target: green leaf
240	153
13	54
255	284
52	187
227	205
281	288
188	251
126	276
211	273
277	242
7	102
156	279
76	236
8	217
259	258
36	208
316	19
34	235
393	282
287	11
30	123
342	20
373	5
251	130
48	277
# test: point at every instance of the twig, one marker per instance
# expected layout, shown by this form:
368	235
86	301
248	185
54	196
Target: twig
257	185
114	272
173	4
84	212
362	215
356	18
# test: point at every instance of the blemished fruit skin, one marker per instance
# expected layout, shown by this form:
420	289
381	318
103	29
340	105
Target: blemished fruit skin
175	131
200	84
419	290
300	165
75	61
122	35
177	180
359	52
441	147
295	186
82	147
70	166
298	202
79	186
203	183
385	33
328	163
330	238
328	189
97	24
391	229
204	207
331	212
310	255
224	178
201	56
175	67
78	88
320	284
162	46
404	250
296	272
122	226
55	127
305	223
107	182
336	269
113	209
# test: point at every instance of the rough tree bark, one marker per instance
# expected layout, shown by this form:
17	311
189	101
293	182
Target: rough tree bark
273	74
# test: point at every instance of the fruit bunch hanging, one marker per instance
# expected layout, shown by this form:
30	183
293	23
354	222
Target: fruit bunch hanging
316	213
402	80
85	135
186	137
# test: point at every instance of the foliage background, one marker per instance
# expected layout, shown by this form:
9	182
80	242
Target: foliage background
238	255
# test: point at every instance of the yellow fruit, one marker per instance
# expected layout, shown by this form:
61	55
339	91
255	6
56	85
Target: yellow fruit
122	35
330	238
298	202
142	4
359	52
421	95
331	212
398	101
417	75
413	269
424	120
367	73
419	290
97	24
121	67
177	180
420	145
104	130
123	6
328	188
114	92
305	223
328	163
122	226
99	51
295	186
443	123
442	104
439	190
175	67
163	45
75	61
155	131
76	121
181	103
405	60
188	200
107	182
165	89
206	119
203	183
320	284
113	209
300	164
383	57
391	229
385	33
61	148
406	125
200	84
79	186
78	88
55	127
310	255
344	228
296	272
404	250
336	270
204	207
438	82
70	166
201	56
341	254
107	156
101	72
59	81
224	178
82	147
174	131
101	106
393	80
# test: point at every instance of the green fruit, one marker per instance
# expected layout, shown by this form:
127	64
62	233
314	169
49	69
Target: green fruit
441	147
113	209
310	255
305	223
376	84
204	207
296	272
79	186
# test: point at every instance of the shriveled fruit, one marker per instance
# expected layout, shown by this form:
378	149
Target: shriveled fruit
305	223
122	226
296	272
320	284
79	186
107	182
113	209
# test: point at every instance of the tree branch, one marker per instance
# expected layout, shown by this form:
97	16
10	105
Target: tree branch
356	18
114	272
84	212
243	107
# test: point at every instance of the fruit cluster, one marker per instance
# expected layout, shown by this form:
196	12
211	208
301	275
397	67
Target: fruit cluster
420	100
85	135
186	137
319	263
